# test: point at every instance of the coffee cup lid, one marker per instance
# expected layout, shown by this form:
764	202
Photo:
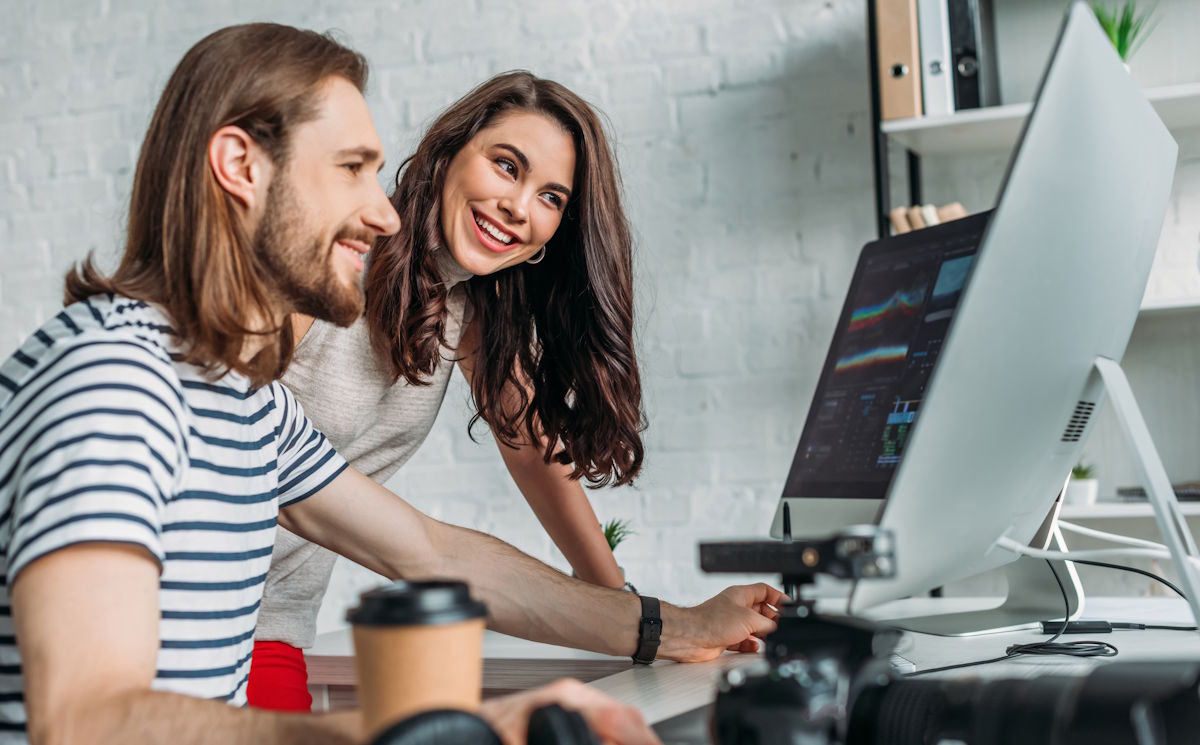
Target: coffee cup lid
416	603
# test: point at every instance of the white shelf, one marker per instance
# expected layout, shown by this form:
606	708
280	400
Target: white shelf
1171	306
1106	510
997	127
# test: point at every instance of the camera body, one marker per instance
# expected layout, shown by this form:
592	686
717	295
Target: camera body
815	667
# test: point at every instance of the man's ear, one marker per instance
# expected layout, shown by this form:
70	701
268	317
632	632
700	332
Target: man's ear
240	166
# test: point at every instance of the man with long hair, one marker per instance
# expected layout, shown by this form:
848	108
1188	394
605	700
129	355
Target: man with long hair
147	451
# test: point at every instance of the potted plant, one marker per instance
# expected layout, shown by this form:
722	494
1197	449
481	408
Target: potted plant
1126	27
616	531
1083	486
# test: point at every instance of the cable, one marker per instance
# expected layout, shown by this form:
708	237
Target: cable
1104	553
1112	537
1143	572
1072	649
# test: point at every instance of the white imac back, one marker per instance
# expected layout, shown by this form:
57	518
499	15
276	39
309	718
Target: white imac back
1058	280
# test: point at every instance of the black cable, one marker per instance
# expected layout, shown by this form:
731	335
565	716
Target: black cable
1073	649
1143	572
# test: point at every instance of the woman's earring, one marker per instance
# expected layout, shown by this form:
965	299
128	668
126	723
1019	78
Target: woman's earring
537	257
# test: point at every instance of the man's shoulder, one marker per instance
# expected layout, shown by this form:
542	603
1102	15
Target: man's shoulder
97	340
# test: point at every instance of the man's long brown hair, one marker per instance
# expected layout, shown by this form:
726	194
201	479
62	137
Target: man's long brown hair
563	327
186	248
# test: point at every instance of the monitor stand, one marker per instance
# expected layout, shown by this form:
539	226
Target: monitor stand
1033	593
1033	596
1171	522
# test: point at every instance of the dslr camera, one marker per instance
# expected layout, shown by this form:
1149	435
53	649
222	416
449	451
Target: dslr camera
825	679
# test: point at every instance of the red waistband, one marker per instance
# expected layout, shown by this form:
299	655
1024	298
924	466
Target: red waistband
278	678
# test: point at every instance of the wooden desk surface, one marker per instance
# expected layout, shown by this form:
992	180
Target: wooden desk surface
666	689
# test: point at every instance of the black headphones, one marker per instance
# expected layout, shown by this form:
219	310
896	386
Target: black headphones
549	725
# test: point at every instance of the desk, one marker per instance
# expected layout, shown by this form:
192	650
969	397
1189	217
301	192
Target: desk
666	689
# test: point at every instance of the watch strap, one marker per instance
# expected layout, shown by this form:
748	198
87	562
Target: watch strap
649	631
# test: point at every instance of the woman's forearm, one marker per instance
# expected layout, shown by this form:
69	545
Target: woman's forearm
562	507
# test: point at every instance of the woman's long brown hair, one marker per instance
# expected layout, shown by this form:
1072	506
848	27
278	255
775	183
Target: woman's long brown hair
563	327
186	249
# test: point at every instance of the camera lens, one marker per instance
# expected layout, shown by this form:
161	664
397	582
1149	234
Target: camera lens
1116	703
976	712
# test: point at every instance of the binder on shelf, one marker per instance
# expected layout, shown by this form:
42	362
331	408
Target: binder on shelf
937	80
899	59
973	53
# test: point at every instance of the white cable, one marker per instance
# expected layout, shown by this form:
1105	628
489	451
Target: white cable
1113	537
1103	553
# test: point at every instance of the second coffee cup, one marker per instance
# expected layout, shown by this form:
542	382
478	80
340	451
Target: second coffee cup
417	646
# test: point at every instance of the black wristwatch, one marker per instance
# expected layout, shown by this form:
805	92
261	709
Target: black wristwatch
649	631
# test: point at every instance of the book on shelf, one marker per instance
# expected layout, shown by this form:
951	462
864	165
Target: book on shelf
1187	491
899	59
906	219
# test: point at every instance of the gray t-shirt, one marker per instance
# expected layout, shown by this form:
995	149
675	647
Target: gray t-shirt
376	425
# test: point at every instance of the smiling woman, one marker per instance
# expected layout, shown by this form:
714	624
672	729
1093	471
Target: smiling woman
504	195
514	259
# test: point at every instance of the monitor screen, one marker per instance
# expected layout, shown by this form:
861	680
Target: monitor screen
896	315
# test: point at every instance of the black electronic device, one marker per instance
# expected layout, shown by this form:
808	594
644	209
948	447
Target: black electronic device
825	679
814	665
857	552
972	54
548	725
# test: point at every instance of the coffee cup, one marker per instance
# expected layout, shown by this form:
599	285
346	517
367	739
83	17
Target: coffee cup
418	646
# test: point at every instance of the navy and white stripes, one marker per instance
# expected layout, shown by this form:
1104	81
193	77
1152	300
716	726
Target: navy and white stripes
103	437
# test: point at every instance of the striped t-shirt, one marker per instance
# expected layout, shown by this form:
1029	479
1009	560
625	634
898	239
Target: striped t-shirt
106	436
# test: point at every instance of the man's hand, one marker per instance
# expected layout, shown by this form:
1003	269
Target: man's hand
612	721
735	619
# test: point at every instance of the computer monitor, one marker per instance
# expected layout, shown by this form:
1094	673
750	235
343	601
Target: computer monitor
1057	282
893	324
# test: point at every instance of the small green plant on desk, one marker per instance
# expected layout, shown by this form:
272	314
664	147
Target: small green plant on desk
1126	26
1083	471
616	531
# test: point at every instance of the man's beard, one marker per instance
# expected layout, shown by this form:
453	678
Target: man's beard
301	265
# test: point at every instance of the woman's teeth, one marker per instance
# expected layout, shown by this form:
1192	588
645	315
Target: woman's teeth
493	231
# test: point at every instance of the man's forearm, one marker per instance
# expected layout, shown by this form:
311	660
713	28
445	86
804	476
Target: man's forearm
151	717
530	599
364	522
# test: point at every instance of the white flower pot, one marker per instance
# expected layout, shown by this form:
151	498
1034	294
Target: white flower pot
1082	491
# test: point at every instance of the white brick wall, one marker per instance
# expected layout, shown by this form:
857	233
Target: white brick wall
742	130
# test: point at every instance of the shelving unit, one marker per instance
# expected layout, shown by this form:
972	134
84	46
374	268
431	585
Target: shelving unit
997	127
992	130
1114	510
1168	307
1163	357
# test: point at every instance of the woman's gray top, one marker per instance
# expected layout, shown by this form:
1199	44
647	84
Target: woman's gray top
372	422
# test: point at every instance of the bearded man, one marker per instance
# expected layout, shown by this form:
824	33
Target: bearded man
147	451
